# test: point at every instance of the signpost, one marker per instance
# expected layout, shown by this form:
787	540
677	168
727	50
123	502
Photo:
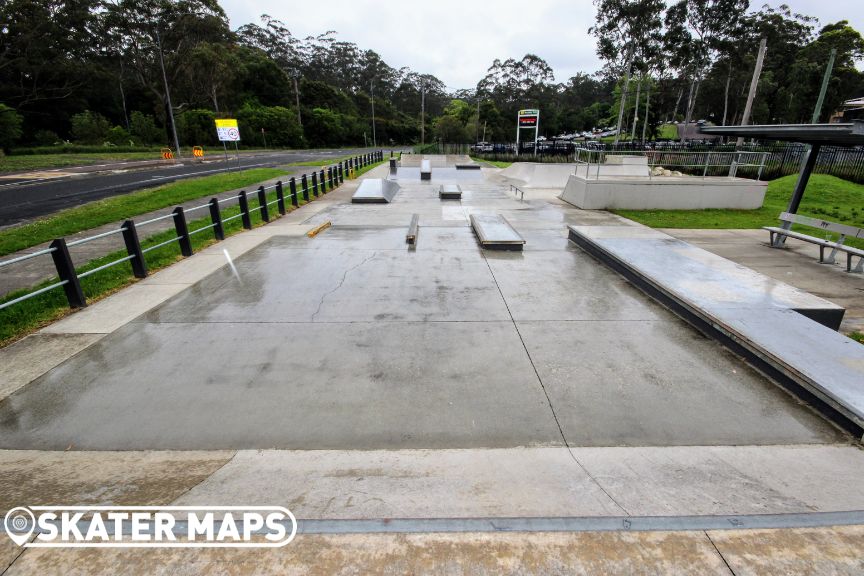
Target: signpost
528	118
227	130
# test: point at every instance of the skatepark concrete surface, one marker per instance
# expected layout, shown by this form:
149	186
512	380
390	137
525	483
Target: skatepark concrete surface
352	377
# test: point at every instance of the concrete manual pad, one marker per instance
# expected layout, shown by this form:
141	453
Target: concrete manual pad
375	191
294	386
659	384
702	278
494	232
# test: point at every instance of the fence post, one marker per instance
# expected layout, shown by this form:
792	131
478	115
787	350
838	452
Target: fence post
66	271
280	198
323	180
292	186
262	202
182	231
244	210
315	184
133	248
330	176
341	173
216	218
303	183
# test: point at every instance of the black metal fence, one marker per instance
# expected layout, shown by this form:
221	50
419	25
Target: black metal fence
783	159
69	278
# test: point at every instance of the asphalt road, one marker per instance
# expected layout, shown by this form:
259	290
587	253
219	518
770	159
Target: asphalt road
24	199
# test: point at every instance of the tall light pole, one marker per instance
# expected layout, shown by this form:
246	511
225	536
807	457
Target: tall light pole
297	97
422	113
372	94
167	95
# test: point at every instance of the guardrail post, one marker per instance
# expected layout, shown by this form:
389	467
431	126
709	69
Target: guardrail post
133	248
244	210
341	172
182	232
323	180
292	186
216	218
305	188
66	271
330	177
280	198
315	184
262	202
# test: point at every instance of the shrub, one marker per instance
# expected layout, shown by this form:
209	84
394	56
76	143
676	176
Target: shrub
10	126
143	128
118	136
46	138
90	127
280	125
197	127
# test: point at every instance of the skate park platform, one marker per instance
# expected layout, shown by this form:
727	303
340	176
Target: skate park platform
350	376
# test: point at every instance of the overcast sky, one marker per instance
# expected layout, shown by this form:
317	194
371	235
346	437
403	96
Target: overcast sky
457	40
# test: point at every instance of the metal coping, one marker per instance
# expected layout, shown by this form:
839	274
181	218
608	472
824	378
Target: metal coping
783	521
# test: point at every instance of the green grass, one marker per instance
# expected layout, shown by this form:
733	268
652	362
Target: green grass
496	163
321	161
25	317
857	336
668	131
125	206
826	198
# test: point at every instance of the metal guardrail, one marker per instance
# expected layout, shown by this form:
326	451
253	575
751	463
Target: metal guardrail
70	278
704	163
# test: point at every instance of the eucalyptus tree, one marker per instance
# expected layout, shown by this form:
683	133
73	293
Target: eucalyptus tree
696	31
628	35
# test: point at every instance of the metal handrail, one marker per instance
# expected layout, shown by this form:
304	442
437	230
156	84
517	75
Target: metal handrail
662	158
27	256
97	236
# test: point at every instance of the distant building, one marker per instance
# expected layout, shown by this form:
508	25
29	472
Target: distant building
850	110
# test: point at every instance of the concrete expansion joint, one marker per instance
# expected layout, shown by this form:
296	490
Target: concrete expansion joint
546	392
719	553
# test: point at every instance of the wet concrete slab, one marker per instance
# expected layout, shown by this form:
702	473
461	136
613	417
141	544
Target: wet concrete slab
566	285
659	383
303	386
282	283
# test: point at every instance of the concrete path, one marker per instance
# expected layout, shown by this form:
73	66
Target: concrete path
350	376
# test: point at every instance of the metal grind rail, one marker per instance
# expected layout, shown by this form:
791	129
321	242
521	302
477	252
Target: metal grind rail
317	183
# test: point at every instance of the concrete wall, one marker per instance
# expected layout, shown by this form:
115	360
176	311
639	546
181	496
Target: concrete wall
664	193
538	175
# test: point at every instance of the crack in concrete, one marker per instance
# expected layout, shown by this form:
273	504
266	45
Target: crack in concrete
341	282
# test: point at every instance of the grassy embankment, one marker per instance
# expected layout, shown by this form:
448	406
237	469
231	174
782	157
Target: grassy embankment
827	198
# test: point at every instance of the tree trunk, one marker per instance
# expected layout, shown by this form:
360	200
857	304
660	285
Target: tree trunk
691	104
623	101
647	102
726	93
677	104
636	109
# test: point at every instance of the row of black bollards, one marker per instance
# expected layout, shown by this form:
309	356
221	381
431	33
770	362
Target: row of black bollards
325	179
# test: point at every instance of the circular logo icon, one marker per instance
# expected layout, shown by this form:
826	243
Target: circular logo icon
19	524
